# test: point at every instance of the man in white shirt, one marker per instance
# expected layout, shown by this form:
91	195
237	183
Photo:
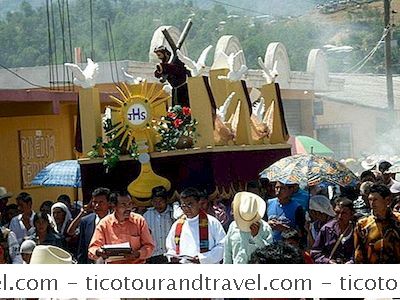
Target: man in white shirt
9	247
22	225
84	224
159	218
196	237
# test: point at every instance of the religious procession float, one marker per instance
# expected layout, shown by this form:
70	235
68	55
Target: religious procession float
191	126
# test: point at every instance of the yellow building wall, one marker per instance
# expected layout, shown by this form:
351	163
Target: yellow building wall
10	160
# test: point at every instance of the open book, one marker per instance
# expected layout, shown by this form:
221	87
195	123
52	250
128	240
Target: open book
182	256
118	249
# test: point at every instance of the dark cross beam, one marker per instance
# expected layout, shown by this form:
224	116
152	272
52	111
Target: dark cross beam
182	38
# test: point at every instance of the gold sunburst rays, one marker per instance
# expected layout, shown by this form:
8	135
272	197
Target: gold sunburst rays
137	109
159	101
157	95
117	127
124	137
143	90
117	100
123	92
150	91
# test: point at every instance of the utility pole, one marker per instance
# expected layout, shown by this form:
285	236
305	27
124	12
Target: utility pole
388	59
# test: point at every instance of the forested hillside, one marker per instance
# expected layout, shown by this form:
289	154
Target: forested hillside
24	33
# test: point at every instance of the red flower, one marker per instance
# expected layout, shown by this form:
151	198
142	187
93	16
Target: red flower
177	123
171	115
186	111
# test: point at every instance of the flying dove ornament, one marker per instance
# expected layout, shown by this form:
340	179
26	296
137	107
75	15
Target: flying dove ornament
234	74
269	75
87	77
196	68
131	79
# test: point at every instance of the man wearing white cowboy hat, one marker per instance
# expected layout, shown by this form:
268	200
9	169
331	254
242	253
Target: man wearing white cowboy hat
248	231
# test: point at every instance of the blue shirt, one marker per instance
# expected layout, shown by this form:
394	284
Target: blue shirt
302	197
284	213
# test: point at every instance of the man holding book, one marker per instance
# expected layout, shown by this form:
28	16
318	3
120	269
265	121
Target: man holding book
121	237
196	237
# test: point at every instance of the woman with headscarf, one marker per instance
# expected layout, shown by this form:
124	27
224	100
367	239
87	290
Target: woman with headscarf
335	241
44	233
61	217
320	212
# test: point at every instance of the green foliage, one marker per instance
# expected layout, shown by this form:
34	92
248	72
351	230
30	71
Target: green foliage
110	149
25	39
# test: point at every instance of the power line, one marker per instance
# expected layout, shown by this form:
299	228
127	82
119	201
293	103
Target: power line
257	12
238	7
19	76
363	62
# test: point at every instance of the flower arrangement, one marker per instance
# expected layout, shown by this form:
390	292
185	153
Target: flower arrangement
109	149
177	129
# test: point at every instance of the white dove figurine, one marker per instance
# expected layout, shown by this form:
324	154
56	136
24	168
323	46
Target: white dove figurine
269	75
222	110
234	74
87	77
130	79
195	68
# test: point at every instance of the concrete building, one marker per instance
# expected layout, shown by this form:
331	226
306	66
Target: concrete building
352	121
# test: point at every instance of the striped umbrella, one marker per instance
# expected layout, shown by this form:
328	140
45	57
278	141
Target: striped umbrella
302	144
309	170
60	173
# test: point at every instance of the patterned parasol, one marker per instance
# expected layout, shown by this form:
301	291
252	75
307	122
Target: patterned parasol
60	173
309	169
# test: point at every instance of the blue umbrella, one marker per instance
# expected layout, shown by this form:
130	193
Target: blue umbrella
60	173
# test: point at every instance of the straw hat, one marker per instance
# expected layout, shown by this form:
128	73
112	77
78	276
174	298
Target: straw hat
370	162
50	255
4	193
248	208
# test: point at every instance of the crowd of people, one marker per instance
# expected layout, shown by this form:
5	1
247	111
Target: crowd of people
268	222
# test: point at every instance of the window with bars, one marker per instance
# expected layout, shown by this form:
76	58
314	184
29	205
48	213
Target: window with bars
338	138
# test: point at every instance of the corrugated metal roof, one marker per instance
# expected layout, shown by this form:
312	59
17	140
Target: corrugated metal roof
365	90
